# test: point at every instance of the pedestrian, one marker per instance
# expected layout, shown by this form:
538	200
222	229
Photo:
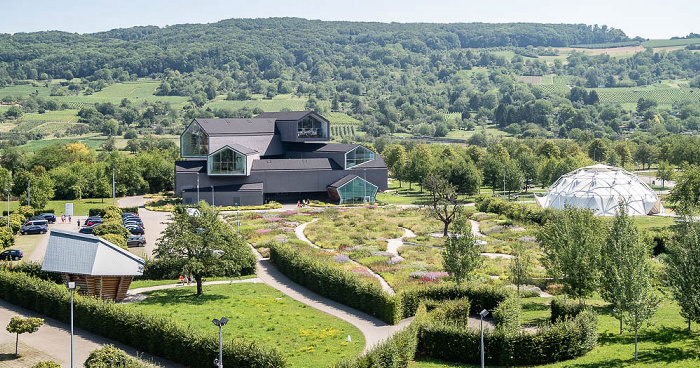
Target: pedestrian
182	280
70	218
298	204
189	280
78	223
63	218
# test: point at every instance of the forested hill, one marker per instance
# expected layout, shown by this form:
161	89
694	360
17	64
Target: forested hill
235	43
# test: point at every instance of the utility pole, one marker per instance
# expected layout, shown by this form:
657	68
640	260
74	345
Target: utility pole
212	195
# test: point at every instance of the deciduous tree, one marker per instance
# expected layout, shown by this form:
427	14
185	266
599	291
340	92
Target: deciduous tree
462	253
683	268
19	325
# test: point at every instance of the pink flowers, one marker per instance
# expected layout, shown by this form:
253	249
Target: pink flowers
275	219
288	213
263	231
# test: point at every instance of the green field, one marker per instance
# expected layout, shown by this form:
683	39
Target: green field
308	337
277	103
668	43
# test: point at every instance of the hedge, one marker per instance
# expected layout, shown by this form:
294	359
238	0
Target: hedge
35	211
513	210
565	308
507	315
153	333
32	269
7	237
110	357
101	211
481	296
398	351
335	284
551	343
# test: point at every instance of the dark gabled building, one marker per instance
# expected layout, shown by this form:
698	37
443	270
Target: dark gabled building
251	161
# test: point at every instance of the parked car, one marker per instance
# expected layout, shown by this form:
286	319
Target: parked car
87	229
94	220
50	217
130	214
11	255
135	230
133	223
33	221
136	241
34	229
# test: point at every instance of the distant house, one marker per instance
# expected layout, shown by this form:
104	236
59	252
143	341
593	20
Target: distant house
98	267
274	155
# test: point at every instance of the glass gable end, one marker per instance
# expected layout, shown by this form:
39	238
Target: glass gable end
358	155
194	142
226	162
357	190
311	128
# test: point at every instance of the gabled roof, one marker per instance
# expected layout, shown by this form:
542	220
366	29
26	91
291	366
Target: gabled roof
237	126
83	254
235	146
193	166
290	115
294	164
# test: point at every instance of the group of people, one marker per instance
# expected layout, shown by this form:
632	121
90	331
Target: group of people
303	203
63	218
186	280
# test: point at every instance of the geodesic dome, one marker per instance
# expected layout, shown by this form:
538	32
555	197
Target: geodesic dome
600	188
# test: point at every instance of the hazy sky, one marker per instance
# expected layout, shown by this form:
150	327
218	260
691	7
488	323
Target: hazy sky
646	18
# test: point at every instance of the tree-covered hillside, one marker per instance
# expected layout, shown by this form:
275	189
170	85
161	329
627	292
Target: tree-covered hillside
238	43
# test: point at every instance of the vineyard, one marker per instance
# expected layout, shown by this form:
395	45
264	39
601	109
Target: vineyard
664	96
342	130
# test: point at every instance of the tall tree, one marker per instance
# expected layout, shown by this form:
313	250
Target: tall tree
443	204
686	194
520	264
395	158
198	240
571	242
462	253
19	325
683	268
420	162
665	172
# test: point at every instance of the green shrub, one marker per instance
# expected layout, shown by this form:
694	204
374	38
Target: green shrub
153	333
46	364
96	212
25	211
481	296
111	227
565	308
16	222
397	351
115	239
512	210
32	269
507	315
7	238
551	343
454	312
335	284
112	213
110	357
129	210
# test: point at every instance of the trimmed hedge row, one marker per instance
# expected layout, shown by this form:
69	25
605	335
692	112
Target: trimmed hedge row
32	269
34	212
565	308
481	296
110	356
398	351
152	333
335	284
551	343
101	211
513	210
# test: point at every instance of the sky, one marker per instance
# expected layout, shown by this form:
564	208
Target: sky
645	18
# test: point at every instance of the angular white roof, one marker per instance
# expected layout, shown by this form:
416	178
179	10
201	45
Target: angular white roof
83	254
600	188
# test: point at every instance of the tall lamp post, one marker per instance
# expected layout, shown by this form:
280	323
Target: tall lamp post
7	191
482	314
221	323
71	286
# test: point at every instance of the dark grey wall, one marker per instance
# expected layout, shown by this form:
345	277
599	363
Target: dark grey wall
224	198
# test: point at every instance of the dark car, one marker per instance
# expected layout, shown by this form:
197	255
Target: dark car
34	229
136	241
133	223
50	217
130	214
87	229
11	254
135	230
95	220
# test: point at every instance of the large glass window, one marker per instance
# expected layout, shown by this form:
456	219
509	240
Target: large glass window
357	190
194	142
311	128
358	156
226	162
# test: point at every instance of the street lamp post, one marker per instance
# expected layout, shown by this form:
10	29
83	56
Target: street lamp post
29	191
504	181
220	323
212	195
71	286
7	191
482	314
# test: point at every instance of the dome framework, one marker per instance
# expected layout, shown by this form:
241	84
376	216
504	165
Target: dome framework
600	188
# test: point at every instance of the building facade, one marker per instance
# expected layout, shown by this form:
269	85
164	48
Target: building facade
275	155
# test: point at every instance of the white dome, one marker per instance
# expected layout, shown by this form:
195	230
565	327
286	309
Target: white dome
600	188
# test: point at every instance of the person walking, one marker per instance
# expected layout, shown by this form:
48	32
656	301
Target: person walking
63	218
78	223
70	218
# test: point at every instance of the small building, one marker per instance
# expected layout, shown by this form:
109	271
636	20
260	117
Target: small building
274	155
98	267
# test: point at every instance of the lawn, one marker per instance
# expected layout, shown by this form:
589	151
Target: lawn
80	208
137	284
667	343
308	337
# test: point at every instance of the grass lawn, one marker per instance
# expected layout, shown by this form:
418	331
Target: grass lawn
137	284
667	343
27	243
308	337
80	208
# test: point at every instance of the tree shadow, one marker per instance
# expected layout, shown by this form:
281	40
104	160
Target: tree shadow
659	335
666	355
182	296
612	363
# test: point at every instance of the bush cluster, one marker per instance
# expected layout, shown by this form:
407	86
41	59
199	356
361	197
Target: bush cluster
563	340
397	351
46	364
102	211
7	237
32	269
31	211
507	315
565	308
513	210
153	333
481	296
109	356
335	284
